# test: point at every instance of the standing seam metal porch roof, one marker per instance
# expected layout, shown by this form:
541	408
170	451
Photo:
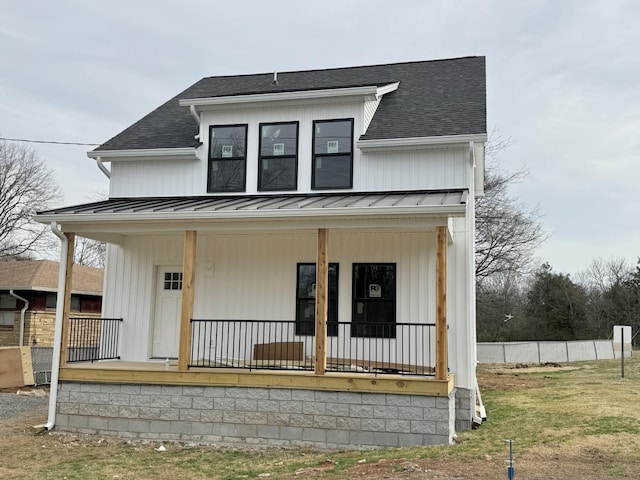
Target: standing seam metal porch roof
267	206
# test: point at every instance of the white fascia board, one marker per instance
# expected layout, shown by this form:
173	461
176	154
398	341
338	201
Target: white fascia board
83	218
418	142
373	92
185	153
35	288
392	87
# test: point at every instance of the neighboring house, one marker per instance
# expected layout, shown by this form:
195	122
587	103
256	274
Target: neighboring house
292	256
28	299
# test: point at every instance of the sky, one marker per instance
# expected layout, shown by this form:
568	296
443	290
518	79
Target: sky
563	85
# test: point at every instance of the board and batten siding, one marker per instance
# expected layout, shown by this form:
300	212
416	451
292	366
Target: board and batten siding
254	276
156	178
424	169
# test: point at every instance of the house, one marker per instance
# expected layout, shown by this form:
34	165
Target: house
292	258
28	296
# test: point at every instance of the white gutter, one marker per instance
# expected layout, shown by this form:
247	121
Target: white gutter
369	90
22	312
102	168
182	153
57	335
418	142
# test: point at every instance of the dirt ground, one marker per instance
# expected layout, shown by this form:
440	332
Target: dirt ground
580	460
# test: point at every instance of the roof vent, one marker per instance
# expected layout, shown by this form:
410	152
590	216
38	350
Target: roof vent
275	78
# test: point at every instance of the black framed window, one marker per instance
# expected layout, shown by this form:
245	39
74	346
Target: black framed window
173	280
306	300
332	164
374	300
278	163
227	158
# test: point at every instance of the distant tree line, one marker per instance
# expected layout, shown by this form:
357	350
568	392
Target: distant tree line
547	305
517	300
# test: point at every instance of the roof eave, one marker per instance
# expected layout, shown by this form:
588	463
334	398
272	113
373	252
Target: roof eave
370	91
184	153
440	210
418	142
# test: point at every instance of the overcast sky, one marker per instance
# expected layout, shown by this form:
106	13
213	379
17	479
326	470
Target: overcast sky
563	81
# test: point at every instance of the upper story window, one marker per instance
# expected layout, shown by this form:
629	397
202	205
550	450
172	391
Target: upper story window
227	158
278	163
332	165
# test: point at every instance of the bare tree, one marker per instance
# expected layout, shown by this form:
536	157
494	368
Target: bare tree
507	231
90	253
26	186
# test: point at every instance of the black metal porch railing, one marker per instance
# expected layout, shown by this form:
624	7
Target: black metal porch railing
400	348
93	339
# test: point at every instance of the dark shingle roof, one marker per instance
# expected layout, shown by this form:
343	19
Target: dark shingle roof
435	98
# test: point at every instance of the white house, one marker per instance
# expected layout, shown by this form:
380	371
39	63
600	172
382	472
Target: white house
292	258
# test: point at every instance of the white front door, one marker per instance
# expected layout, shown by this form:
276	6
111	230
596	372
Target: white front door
166	321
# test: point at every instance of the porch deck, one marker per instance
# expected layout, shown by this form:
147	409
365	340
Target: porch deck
154	373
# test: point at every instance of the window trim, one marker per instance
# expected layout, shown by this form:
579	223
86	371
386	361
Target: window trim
279	157
330	322
314	155
243	187
355	300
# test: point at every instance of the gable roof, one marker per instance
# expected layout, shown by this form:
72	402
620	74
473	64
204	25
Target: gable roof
435	98
43	275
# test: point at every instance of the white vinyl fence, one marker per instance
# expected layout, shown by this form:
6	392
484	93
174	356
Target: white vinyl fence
543	352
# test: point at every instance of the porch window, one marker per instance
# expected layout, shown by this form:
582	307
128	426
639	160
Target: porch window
278	163
332	154
7	310
227	158
374	300
306	300
173	280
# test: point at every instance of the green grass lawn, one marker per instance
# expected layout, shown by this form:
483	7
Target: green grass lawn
577	414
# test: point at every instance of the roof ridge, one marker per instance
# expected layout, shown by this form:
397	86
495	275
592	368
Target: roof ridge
332	69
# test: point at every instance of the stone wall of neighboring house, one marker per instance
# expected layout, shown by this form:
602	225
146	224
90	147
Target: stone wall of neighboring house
38	328
259	416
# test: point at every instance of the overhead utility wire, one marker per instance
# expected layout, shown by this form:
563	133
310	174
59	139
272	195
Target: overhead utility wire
51	142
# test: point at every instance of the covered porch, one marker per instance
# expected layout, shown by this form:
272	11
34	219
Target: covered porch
210	347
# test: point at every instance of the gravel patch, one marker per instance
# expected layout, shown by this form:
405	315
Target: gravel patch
14	405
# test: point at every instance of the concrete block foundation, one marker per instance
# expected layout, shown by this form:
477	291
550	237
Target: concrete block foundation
262	416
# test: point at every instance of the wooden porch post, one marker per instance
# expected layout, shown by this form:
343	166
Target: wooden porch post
188	284
322	281
66	302
441	304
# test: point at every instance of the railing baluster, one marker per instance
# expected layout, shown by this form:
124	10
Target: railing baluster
93	339
404	348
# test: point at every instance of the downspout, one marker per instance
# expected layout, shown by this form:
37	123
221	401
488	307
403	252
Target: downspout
57	335
22	312
479	413
195	115
102	168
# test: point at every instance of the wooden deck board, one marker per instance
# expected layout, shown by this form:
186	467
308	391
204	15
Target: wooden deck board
155	373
